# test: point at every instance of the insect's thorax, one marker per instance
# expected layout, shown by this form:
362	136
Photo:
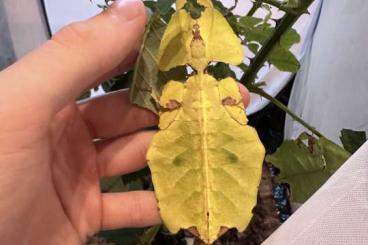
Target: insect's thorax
199	60
201	99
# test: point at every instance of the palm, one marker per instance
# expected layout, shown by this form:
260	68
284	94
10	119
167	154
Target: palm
69	202
74	172
60	165
49	164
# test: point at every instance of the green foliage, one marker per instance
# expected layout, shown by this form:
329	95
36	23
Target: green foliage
112	184
292	4
148	80
163	8
129	182
193	8
149	235
220	7
257	32
123	236
352	140
84	95
220	71
306	163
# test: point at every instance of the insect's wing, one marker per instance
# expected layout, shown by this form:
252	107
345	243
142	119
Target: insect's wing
225	47
174	47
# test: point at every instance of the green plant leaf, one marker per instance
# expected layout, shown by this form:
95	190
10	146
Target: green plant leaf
84	95
290	38
149	235
306	166
243	67
163	8
112	184
256	30
292	4
220	7
220	71
134	181
283	59
129	182
252	29
193	8
352	140
123	236
147	80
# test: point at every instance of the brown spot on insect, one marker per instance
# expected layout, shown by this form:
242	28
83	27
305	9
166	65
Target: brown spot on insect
171	105
230	101
196	32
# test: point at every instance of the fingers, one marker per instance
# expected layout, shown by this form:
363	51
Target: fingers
123	155
245	94
129	209
126	65
112	115
76	56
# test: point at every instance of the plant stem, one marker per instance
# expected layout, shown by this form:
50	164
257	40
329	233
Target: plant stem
234	6
256	5
278	5
283	107
285	24
248	78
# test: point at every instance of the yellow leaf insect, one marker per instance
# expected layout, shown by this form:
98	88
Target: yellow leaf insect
205	161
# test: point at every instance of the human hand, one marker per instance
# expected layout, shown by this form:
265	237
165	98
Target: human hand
50	165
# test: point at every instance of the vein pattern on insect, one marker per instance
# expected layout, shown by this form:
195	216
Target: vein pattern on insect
205	160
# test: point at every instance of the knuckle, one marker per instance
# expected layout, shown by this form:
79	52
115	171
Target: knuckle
74	33
79	40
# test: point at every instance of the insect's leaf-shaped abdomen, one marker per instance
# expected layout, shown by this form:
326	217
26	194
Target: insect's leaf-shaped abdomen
206	166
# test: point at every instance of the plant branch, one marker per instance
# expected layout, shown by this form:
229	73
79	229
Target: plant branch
234	6
278	5
259	60
256	5
283	107
285	24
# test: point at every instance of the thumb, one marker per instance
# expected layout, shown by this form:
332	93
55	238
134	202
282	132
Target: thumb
75	57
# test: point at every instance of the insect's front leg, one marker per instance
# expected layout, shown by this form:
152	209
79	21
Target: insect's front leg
170	103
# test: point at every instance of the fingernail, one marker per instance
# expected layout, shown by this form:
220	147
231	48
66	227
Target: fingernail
128	9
